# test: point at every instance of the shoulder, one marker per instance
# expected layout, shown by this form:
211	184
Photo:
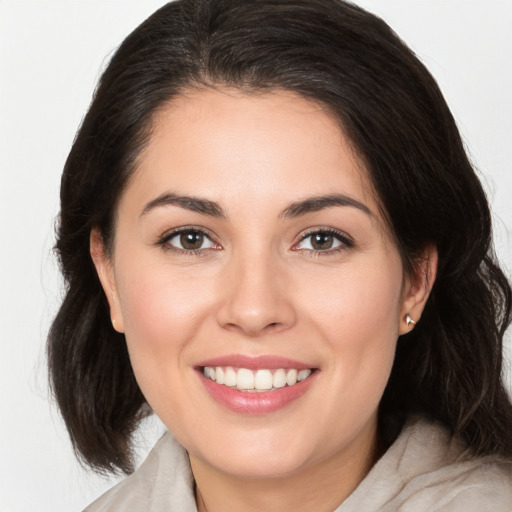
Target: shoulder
427	470
163	482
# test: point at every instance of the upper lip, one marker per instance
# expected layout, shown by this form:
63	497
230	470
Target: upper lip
269	362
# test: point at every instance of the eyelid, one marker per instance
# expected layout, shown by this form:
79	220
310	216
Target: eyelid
171	233
346	240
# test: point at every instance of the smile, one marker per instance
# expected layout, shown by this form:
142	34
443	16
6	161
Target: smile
256	381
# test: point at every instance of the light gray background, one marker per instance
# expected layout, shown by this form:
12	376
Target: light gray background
51	55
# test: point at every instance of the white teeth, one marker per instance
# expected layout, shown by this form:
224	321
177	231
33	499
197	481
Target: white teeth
279	379
255	381
230	377
291	377
219	375
244	379
303	374
263	379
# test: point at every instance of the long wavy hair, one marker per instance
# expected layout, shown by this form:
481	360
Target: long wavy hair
330	51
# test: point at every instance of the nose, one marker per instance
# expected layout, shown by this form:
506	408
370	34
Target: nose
256	298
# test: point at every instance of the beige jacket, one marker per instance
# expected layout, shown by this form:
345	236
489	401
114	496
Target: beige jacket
423	471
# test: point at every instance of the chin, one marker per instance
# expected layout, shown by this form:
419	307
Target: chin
258	455
262	467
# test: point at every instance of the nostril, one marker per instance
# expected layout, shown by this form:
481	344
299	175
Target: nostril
274	326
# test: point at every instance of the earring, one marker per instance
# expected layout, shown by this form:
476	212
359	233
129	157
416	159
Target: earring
409	321
113	324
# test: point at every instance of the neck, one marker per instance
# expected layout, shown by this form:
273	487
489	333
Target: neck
323	486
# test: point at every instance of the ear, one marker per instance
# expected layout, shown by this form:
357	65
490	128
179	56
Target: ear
417	289
105	271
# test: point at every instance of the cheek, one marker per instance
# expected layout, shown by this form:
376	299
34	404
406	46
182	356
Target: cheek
159	307
357	314
357	304
161	314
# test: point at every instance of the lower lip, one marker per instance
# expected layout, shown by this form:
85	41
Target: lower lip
253	403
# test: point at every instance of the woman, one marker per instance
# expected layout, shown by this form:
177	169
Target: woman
274	240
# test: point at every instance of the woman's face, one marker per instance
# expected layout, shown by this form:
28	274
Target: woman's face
249	246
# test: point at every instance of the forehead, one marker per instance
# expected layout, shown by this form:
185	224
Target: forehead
231	146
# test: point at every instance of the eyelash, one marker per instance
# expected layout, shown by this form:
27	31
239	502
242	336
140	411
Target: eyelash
345	242
164	241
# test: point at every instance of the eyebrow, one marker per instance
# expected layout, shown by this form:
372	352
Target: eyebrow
296	209
194	204
315	204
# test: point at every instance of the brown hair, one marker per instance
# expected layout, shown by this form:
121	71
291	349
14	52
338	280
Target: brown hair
449	367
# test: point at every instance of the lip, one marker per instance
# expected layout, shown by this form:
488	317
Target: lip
254	404
254	362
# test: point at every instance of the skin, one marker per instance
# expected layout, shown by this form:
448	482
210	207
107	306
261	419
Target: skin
260	288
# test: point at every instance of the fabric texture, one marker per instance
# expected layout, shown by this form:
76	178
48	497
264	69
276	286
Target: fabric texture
425	470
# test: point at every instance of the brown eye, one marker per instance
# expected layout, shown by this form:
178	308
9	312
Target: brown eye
191	240
322	241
